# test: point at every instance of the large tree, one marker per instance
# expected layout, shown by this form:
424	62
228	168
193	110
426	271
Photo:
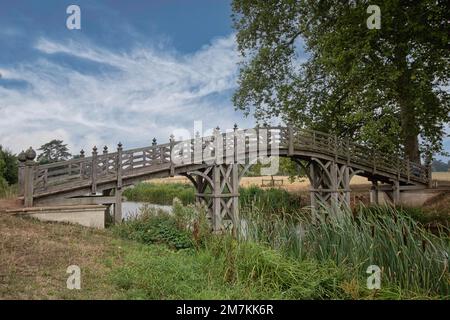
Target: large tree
384	87
53	151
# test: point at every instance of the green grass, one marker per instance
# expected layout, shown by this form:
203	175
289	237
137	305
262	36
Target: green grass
411	258
7	191
288	257
213	267
143	259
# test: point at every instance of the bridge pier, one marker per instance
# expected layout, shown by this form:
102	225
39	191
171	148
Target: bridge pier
329	183
217	187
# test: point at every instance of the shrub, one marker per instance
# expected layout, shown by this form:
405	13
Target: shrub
155	226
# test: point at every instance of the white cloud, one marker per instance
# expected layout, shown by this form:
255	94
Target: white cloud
147	93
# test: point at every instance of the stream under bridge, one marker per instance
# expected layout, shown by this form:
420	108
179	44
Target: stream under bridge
215	164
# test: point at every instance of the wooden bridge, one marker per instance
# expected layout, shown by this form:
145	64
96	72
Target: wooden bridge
215	164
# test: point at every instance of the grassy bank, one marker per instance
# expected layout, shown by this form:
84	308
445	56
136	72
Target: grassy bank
35	255
156	256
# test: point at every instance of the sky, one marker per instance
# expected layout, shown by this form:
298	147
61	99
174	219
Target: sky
136	70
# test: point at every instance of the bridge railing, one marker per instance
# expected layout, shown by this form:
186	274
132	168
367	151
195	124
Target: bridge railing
107	166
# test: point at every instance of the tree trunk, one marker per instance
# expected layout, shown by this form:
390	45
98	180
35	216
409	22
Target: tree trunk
409	126
409	129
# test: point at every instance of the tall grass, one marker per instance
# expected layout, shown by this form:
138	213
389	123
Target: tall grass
270	200
7	191
161	193
207	266
273	200
410	257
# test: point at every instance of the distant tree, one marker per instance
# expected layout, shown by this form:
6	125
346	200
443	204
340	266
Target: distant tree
53	151
8	165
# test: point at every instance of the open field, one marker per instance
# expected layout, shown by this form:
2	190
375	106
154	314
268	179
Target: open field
299	185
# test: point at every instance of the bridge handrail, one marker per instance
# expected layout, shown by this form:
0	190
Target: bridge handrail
103	166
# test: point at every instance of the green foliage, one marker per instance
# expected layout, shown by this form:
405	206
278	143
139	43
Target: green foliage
287	167
355	82
161	193
271	200
428	218
155	227
53	151
8	166
411	258
282	256
224	269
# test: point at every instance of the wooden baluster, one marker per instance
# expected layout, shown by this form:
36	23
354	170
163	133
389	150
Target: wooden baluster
408	170
235	143
118	192
94	171
82	167
29	177
314	140
430	176
153	151
119	165
335	147
21	172
105	160
290	140
172	143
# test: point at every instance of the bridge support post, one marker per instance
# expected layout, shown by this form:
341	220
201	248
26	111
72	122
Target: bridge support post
374	193
396	192
118	206
330	185
217	187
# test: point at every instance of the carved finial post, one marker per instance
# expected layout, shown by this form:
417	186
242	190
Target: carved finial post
154	143
21	172
172	144
30	155
198	148
118	191
82	164
105	149
94	171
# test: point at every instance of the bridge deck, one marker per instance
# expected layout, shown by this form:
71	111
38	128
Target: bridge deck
124	167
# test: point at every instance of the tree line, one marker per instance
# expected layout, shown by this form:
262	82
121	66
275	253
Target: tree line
52	151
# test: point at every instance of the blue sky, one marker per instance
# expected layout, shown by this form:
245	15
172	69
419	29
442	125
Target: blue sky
135	70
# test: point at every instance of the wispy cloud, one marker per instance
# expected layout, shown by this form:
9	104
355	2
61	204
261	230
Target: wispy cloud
144	92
